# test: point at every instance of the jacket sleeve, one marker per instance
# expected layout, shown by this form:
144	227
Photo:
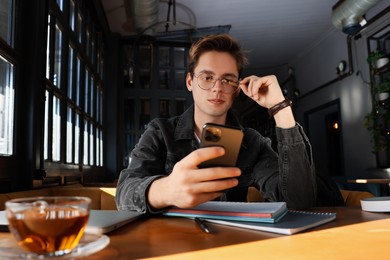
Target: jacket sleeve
146	164
288	175
296	168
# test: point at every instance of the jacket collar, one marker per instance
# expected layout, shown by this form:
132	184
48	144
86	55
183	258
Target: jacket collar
185	125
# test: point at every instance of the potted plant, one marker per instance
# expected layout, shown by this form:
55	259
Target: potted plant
383	89
377	59
377	122
377	138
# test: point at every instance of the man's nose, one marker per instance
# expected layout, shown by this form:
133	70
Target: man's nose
218	86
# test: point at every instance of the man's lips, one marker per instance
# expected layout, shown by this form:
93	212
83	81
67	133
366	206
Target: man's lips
216	101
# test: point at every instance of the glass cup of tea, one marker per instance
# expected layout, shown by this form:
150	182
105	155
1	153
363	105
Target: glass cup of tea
50	226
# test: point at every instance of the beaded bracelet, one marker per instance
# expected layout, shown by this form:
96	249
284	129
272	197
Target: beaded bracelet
279	106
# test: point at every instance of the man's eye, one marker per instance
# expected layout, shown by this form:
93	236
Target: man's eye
230	82
208	78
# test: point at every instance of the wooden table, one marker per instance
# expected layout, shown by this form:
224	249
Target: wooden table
354	234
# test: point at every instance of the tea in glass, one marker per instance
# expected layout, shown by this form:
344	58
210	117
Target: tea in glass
48	225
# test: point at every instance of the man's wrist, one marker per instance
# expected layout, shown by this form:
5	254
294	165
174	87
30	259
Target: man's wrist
279	106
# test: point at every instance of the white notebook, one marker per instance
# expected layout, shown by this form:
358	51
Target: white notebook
293	222
100	221
376	204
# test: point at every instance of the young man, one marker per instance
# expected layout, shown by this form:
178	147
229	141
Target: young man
163	169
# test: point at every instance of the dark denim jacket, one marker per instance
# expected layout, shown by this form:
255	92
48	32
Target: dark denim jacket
288	177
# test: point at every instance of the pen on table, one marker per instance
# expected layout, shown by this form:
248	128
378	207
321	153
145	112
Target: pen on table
202	224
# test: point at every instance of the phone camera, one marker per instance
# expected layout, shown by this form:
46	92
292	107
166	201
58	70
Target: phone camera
213	134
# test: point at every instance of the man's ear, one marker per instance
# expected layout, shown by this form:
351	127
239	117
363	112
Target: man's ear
189	82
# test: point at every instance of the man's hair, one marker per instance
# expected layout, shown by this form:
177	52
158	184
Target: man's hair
219	43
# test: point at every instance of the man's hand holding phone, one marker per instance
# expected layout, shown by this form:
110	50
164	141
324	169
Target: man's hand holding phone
188	185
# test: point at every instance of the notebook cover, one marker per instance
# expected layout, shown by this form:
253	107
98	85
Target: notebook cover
293	222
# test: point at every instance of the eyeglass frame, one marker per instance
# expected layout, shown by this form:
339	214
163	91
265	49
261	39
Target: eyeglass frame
215	81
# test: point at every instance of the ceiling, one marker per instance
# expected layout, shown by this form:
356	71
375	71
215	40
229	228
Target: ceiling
274	32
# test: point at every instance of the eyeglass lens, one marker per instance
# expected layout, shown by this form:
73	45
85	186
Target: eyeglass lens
207	82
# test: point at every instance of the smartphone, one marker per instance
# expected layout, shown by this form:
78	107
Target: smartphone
228	137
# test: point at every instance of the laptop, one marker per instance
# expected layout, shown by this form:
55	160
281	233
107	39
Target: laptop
100	221
104	221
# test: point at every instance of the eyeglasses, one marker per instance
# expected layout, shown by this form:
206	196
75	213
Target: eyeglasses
207	82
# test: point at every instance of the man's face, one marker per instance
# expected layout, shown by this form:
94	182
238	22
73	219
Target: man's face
213	102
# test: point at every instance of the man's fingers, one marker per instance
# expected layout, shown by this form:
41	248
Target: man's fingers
200	155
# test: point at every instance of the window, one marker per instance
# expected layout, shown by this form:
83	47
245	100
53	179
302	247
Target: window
6	106
51	91
74	90
7	75
155	87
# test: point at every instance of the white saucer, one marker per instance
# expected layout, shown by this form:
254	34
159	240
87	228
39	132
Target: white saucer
89	244
376	204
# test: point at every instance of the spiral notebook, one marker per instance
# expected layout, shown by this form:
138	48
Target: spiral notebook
291	223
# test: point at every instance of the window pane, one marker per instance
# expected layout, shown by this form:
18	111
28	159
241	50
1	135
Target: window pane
6	20
57	58
180	79
164	79
79	24
49	19
145	56
101	67
180	106
92	98
60	4
86	93
69	136
78	81
85	150
97	147
91	146
179	56
129	145
56	142
128	114
70	73
164	56
77	139
100	148
88	41
99	108
128	65
145	78
93	51
72	15
164	108
46	134
6	107
145	113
